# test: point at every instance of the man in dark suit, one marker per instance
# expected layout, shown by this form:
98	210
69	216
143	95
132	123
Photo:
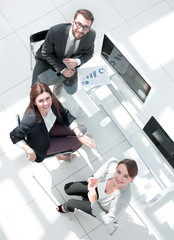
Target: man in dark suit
66	47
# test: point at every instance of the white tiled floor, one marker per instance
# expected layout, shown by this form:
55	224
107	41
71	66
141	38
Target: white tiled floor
26	212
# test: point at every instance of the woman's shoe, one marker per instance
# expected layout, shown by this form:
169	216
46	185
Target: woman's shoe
59	209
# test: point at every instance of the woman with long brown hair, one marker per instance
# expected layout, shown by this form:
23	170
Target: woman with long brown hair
48	128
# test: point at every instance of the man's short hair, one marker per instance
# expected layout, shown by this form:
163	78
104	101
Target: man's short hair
86	14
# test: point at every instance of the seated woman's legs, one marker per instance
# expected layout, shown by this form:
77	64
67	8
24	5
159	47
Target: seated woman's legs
62	139
61	130
63	144
83	205
78	189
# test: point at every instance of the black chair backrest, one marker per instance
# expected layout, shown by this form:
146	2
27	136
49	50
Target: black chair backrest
18	120
36	37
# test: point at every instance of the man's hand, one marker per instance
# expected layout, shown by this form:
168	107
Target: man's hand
70	63
68	72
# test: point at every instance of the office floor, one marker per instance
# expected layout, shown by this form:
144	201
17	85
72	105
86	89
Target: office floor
26	212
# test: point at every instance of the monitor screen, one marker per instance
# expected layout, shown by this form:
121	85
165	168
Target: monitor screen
124	68
161	139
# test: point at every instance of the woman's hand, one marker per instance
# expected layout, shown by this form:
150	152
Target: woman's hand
92	182
92	195
87	141
31	156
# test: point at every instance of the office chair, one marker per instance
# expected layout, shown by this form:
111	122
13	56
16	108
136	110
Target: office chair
112	228
34	38
18	120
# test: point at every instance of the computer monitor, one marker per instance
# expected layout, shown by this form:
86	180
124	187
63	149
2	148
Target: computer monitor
161	139
118	62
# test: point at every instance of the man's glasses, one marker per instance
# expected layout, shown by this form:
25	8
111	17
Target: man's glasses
79	25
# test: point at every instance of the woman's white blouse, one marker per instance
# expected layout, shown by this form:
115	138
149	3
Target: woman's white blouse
49	119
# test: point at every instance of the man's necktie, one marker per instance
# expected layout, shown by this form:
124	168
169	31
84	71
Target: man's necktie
72	49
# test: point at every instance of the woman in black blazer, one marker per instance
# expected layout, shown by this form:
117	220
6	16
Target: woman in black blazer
48	128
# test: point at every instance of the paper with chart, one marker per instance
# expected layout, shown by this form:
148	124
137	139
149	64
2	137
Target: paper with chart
93	76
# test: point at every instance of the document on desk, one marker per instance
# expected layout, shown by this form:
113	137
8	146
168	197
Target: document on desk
93	76
85	102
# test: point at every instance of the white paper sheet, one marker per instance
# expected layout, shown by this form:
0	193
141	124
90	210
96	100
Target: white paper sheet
93	76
